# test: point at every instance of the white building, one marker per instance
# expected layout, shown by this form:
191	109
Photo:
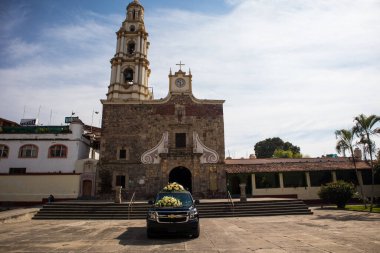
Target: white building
37	161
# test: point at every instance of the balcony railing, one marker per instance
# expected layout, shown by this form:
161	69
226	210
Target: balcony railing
35	130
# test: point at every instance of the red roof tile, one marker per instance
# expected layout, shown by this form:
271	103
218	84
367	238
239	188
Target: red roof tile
339	164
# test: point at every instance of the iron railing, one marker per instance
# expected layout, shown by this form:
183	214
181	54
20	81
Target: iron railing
130	205
230	200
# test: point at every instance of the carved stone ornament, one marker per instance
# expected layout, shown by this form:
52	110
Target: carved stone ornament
152	156
208	155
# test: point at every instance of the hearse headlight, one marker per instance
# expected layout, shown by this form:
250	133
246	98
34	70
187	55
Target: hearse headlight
152	215
193	214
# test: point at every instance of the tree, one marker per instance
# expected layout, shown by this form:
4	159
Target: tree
339	193
280	153
346	143
365	128
266	148
291	147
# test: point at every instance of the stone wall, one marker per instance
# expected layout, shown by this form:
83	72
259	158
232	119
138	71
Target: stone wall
138	127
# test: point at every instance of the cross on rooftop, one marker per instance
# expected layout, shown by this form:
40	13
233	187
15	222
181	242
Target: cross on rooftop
180	65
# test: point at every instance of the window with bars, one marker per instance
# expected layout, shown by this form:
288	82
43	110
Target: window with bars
180	140
28	151
294	179
4	151
347	176
367	177
120	181
321	177
267	180
58	151
17	171
123	154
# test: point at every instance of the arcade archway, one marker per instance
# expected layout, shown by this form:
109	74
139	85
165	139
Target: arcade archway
182	176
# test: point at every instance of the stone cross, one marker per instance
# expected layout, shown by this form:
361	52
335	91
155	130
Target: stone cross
180	65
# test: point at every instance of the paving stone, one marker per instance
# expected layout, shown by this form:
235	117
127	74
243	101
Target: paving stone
325	231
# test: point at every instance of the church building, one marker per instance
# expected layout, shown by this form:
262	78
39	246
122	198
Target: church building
149	142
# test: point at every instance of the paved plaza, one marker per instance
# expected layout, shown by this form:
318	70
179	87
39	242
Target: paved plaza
325	231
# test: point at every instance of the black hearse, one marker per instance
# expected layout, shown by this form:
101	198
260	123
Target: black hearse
164	219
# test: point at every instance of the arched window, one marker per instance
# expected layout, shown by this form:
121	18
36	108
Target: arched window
128	75
58	151
4	151
28	151
131	48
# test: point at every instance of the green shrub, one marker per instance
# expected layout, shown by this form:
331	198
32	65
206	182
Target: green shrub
338	193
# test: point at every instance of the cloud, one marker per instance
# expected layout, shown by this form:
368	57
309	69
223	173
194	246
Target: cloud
13	15
18	49
66	68
298	70
291	69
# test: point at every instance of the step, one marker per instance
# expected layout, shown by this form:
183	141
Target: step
93	210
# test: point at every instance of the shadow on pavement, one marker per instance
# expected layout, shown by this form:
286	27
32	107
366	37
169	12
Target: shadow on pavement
137	236
341	215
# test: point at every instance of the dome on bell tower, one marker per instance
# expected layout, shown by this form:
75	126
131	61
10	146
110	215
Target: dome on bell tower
135	11
135	3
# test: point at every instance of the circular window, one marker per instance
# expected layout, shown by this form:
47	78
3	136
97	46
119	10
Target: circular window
132	28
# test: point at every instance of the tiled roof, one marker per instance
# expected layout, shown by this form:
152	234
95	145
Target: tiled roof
306	165
284	160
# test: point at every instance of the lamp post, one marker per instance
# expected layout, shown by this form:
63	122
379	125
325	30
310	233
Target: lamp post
92	117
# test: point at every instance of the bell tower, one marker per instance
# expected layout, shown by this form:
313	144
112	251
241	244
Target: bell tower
180	82
130	66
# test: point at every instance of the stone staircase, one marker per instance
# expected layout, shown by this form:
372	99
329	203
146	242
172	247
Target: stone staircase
207	209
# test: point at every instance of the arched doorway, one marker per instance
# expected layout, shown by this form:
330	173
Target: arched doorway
182	176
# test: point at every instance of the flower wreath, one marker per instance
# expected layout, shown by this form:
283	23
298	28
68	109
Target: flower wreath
173	187
169	201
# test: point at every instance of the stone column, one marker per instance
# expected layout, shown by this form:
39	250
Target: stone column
118	194
164	171
122	46
308	182
281	180
138	48
118	44
113	73
196	175
118	74
253	178
135	75
243	196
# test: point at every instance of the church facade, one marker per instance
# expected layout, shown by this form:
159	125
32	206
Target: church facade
149	142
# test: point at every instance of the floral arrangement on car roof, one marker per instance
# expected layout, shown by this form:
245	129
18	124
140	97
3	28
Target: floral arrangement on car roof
169	201
173	187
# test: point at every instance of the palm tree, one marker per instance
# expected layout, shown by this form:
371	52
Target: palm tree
365	128
345	142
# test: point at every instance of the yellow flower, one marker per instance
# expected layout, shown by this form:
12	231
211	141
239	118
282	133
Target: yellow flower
168	201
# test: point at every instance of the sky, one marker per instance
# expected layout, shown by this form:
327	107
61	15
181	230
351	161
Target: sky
294	69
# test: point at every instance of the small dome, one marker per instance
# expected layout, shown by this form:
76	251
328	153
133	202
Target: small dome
135	3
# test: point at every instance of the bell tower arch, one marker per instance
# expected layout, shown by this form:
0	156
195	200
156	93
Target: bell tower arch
130	66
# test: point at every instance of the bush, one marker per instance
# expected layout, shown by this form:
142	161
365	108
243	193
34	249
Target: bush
338	193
